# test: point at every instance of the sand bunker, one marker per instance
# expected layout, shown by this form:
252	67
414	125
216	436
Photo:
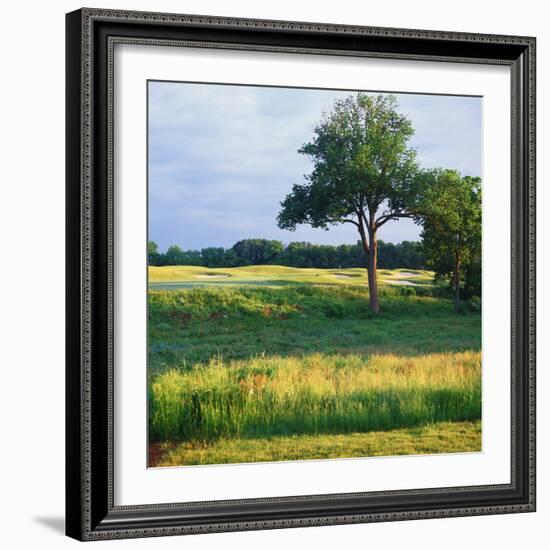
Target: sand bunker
212	276
402	283
405	275
345	276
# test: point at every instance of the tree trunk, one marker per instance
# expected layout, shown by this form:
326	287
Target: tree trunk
370	247
371	267
457	282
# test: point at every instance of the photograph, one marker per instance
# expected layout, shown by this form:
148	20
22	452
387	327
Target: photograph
314	261
300	272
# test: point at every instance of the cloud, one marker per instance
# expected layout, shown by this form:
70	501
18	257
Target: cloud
223	157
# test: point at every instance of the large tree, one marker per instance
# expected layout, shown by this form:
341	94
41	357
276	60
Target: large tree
451	232
364	173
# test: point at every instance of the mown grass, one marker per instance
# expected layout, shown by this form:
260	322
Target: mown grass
277	275
314	394
444	437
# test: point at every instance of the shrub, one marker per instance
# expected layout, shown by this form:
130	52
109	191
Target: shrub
474	304
407	291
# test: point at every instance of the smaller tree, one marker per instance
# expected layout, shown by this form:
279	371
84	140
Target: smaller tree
257	251
153	256
230	259
213	256
451	232
174	255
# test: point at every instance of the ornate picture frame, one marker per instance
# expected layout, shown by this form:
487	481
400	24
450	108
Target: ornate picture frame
91	509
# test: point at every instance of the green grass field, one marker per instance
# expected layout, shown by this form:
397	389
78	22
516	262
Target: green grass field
273	363
445	437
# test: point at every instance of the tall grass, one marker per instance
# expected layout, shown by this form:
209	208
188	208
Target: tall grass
313	394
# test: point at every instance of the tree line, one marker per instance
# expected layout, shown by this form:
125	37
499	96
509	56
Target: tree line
407	254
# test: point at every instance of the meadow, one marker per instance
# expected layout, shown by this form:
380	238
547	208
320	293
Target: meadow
266	363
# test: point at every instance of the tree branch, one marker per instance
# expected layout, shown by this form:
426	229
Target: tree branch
392	216
363	218
362	233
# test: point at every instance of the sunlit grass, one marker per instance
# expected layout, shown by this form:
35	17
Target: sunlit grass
313	394
277	275
444	437
250	372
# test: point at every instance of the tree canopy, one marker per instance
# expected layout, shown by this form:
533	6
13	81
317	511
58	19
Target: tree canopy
363	169
256	251
364	173
451	232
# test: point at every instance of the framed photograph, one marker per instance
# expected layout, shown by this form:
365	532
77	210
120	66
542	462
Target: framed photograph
300	274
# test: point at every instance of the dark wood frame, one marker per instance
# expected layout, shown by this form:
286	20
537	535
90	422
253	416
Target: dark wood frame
90	510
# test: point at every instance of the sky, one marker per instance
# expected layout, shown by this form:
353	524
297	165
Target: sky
223	157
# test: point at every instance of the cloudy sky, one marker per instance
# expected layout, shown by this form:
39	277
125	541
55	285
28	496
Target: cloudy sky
222	158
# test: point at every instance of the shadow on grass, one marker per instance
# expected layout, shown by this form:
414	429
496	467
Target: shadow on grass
199	341
190	326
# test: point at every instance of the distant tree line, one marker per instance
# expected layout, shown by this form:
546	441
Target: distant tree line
407	254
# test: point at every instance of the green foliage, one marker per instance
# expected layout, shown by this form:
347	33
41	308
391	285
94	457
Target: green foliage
176	256
472	277
304	254
451	234
361	163
216	257
407	291
299	301
153	255
474	304
256	251
406	254
364	173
